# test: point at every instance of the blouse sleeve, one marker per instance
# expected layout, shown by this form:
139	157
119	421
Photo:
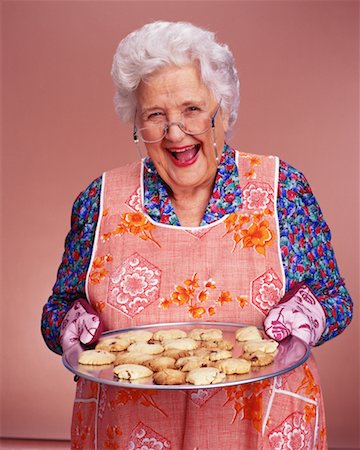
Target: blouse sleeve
307	253
71	276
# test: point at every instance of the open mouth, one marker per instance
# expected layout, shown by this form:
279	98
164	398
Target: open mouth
185	155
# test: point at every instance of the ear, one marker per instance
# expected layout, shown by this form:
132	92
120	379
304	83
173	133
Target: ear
225	120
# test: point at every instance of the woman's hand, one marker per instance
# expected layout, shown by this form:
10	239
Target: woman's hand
81	325
299	313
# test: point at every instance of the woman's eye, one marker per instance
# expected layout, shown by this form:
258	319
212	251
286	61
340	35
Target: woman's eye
192	111
155	115
193	108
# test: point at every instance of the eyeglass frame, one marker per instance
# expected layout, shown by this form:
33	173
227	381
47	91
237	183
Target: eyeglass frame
180	125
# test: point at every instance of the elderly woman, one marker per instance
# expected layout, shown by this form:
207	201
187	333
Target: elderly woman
195	231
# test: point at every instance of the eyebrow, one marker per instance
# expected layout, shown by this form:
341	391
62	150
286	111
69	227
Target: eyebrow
155	107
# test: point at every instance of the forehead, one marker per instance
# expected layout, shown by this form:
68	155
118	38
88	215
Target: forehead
173	86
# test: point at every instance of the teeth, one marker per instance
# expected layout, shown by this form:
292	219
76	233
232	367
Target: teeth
182	150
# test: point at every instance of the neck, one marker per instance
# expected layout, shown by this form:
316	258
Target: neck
191	205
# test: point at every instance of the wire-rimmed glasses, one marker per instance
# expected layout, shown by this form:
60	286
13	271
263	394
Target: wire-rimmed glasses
192	124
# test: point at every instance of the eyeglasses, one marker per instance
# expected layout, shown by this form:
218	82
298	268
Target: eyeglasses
193	122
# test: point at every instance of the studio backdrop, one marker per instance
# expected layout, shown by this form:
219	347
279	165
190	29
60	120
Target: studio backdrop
299	72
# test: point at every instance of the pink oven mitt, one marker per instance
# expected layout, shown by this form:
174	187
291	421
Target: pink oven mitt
299	313
81	325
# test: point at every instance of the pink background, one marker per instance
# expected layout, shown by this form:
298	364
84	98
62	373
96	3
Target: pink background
298	64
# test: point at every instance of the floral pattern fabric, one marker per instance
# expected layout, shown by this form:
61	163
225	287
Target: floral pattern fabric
305	240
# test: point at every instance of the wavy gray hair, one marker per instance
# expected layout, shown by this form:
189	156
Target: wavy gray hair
158	44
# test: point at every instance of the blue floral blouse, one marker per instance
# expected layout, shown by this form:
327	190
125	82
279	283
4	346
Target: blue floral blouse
305	241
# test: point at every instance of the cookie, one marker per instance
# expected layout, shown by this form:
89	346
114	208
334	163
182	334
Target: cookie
211	334
176	353
191	362
162	335
160	363
180	344
250	333
132	358
113	344
264	345
137	335
144	347
233	366
96	357
222	344
258	358
220	354
201	351
205	375
132	371
169	377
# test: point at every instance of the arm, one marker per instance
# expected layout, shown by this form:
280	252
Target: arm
71	276
307	254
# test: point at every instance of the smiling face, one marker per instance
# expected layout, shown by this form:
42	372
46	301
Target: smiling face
177	94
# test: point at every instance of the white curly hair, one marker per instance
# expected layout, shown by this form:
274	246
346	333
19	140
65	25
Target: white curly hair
158	44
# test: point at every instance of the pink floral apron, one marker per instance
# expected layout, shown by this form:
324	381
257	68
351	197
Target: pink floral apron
142	272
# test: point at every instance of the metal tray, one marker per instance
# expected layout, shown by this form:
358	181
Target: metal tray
291	353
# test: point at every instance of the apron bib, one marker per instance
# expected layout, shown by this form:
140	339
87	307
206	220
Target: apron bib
142	272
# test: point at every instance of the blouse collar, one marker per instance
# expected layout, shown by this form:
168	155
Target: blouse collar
225	197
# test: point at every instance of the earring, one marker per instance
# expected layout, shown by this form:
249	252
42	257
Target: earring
214	145
137	144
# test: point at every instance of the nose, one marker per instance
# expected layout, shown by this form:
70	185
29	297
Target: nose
174	133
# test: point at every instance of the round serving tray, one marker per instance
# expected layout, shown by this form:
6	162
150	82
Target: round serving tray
291	353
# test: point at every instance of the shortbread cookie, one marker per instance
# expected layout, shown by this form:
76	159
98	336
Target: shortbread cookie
132	358
170	377
132	371
191	362
96	357
250	333
232	366
162	335
86	368
160	363
220	354
201	351
222	344
180	344
137	335
176	353
113	344
211	334
205	375
258	358
144	347
264	345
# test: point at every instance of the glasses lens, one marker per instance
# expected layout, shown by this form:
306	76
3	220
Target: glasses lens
192	124
196	125
154	133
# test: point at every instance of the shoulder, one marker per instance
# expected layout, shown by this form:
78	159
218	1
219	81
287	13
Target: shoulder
130	169
292	178
289	177
86	205
257	168
254	157
295	193
292	182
